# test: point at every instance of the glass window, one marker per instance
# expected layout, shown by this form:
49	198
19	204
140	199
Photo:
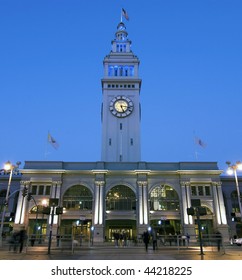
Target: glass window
200	191
41	190
193	190
121	198
164	198
207	191
121	70
110	70
78	198
34	189
47	190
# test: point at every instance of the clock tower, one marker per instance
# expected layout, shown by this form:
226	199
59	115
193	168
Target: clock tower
121	103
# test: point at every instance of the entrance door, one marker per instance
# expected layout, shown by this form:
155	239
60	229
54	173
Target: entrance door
127	227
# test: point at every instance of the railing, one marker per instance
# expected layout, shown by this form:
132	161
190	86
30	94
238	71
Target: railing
73	243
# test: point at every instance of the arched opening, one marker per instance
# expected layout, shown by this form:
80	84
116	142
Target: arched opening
164	198
120	198
77	203
77	198
120	214
165	210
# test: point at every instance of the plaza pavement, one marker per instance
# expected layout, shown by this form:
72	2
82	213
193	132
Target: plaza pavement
104	252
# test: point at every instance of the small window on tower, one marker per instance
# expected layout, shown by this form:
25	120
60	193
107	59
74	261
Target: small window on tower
131	70
121	126
110	141
121	71
131	142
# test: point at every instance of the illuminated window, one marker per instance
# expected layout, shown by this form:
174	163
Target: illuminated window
120	198
78	198
164	198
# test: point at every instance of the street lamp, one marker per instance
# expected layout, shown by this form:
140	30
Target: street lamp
9	168
232	169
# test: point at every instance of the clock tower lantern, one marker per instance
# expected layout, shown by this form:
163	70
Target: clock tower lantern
121	103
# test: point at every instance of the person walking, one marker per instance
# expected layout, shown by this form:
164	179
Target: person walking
146	239
154	239
22	239
188	239
218	237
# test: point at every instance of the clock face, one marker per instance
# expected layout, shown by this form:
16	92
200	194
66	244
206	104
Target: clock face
121	106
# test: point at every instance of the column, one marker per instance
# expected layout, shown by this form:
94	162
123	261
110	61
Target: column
219	203
145	203
101	201
96	203
140	199
22	204
98	234
189	204
55	193
184	202
216	204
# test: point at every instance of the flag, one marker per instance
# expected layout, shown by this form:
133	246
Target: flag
200	143
52	141
125	14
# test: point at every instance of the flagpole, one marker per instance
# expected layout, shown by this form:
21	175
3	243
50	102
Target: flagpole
46	147
121	16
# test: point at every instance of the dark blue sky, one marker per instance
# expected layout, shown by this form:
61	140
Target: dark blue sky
51	55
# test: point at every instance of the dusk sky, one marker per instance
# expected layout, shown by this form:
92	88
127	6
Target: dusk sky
51	66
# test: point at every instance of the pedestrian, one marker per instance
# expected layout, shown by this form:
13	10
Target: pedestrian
22	238
146	239
125	238
218	237
116	238
57	240
170	238
154	239
188	239
13	241
32	240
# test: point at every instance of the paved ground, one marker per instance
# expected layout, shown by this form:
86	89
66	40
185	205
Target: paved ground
102	252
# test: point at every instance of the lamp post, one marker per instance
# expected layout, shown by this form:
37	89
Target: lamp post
232	169
10	168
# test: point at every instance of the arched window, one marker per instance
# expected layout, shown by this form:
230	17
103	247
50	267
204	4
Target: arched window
164	198
120	198
78	198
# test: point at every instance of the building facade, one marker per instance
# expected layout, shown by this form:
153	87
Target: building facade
120	193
